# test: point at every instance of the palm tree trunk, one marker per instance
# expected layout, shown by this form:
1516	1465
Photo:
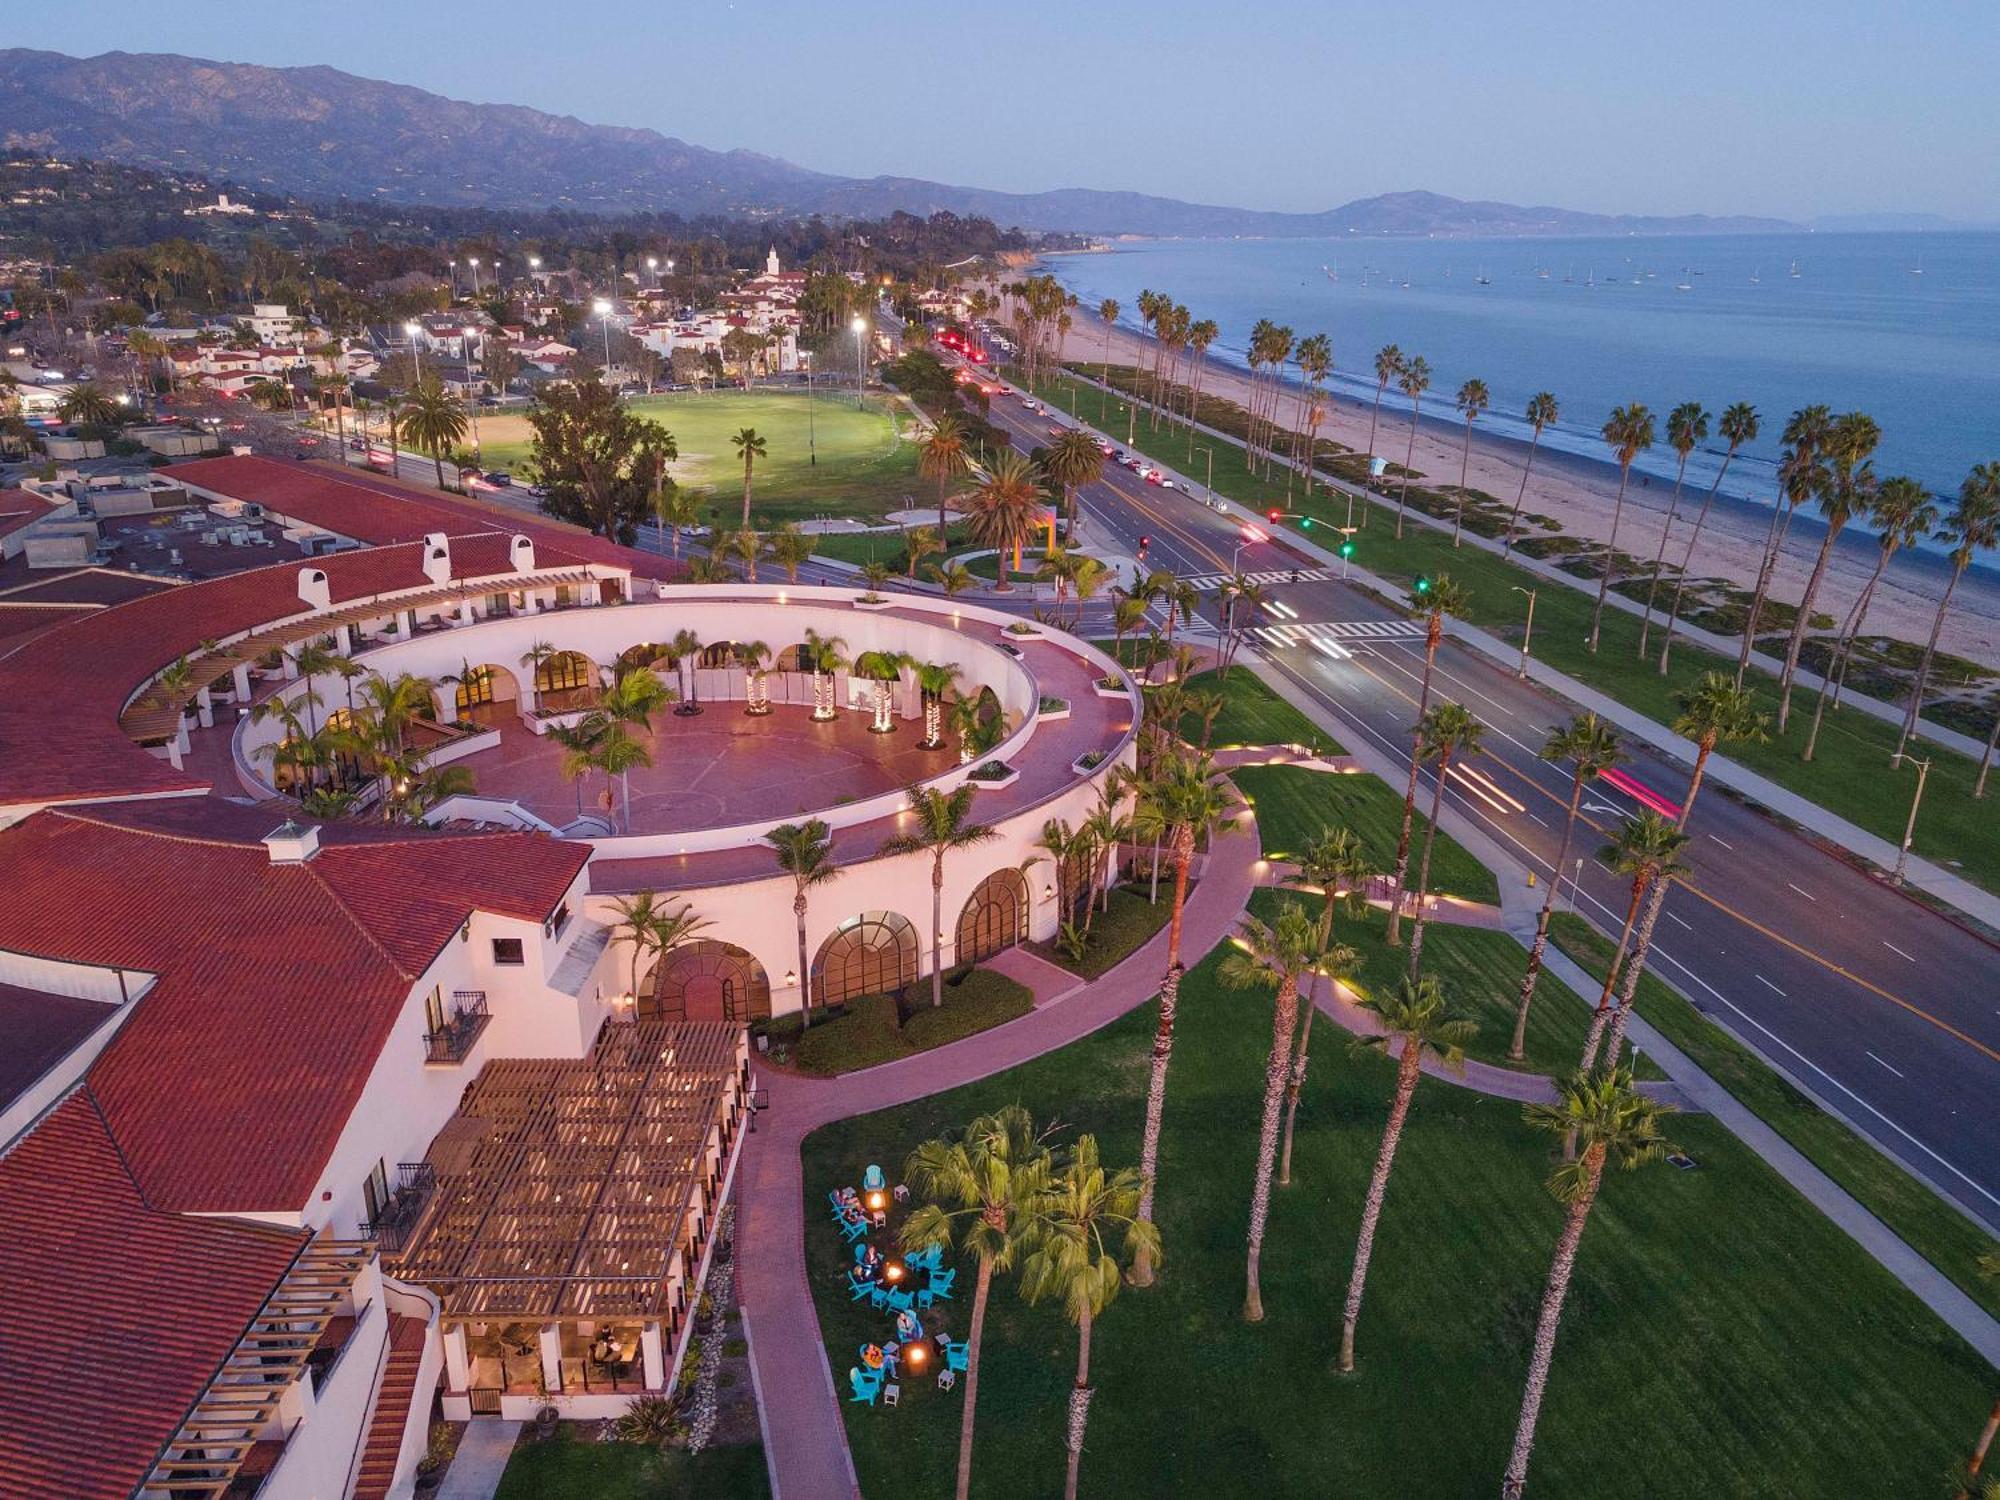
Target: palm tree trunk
1560	1270
437	459
1296	1083
1079	1401
1394	933
1464	462
1843	648
1424	865
1163	1051
1798	636
1409	457
1986	760
1774	546
746	489
1610	556
1916	707
805	973
1642	945
1517	1048
1283	1019
1687	560
1507	547
937	932
1408	1067
1601	1016
1659	559
972	1338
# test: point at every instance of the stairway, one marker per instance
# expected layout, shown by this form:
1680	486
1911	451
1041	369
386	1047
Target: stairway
392	1408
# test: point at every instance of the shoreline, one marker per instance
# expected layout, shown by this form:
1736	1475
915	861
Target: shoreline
1578	491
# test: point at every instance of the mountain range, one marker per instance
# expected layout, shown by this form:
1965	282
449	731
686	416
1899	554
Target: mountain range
318	132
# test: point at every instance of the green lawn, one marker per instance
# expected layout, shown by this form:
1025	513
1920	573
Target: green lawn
1119	932
859	547
867	466
882	1028
1480	970
1721	1338
1252	714
1293	806
1850	773
1936	1230
571	1466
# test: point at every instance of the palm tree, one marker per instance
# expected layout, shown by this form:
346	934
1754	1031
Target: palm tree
1611	1121
1244	596
433	419
674	507
537	656
1992	742
1448	729
685	649
983	1185
1416	1018
1073	461
631	700
1687	426
615	753
919	542
1972	526
1845	482
1201	333
749	447
396	702
1903	514
1591	748
1269	957
1107	312
1712	711
954	578
86	405
1179	598
1443	597
805	852
1086	1230
1388	365
1006	508
1186	804
943	458
1629	431
645	923
1128	613
1413	379
943	824
790	548
1336	864
1799	470
1473	398
1542	411
748	547
1739	426
1647	851
754	657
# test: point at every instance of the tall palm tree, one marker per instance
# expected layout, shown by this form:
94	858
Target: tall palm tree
1448	730
685	649
1086	1231
1006	508
1799	469
1187	804
1443	597
934	681
942	457
1201	333
1845	483
651	928
805	852
635	694
1647	851
1713	711
754	657
1269	957
1590	747
1107	313
433	419
1739	425
1542	411
673	509
790	548
1687	428
1972	526
747	545
537	656
1388	365
615	753
750	446
397	702
1629	431
1415	1018
1128	613
1611	1121
1179	598
1073	461
943	824
1413	379
1336	864
982	1185
1903	514
1473	398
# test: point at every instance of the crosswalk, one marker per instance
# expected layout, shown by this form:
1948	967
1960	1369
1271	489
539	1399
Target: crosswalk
1334	637
1280	575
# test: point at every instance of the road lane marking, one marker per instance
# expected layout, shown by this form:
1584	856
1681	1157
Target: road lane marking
1897	1071
1895	950
1803	891
1767	984
1688	925
1725	844
1538	819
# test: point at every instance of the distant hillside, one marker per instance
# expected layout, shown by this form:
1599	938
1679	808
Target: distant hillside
320	133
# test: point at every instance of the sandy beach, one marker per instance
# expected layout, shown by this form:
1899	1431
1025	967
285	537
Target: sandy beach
1580	495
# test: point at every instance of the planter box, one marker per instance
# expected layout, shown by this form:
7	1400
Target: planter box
864	602
1023	630
1049	712
1104	690
996	783
1088	762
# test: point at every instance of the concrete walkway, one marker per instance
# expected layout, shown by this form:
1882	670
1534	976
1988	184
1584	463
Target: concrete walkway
481	1460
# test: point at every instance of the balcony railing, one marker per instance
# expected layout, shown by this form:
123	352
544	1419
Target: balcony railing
393	1226
450	1042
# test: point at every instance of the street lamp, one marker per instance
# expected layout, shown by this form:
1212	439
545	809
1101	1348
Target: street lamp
534	263
1910	828
860	327
1528	632
602	307
413	328
1209	483
474	263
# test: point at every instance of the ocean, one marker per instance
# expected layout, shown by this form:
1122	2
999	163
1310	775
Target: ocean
1905	327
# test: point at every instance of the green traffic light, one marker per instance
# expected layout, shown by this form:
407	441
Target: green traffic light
1306	522
1347	549
1423	584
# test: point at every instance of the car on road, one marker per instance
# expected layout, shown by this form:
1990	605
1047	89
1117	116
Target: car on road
1105	448
1056	430
1031	405
500	479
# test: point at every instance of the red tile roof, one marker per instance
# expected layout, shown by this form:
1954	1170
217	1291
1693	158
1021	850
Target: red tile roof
278	984
114	1316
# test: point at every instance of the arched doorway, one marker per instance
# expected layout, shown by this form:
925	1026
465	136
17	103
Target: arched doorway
706	980
872	954
483	687
995	917
565	681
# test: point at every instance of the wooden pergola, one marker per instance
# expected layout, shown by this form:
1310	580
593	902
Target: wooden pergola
567	1188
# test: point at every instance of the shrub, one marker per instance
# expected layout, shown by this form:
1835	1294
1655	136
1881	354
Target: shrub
982	998
652	1420
866	1035
992	770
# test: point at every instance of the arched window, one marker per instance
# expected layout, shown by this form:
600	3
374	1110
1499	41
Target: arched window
788	660
645	654
995	917
872	954
564	672
474	689
718	654
706	980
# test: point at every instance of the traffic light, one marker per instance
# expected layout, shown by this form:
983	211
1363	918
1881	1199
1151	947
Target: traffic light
1275	514
1306	522
1347	548
1423	584
1144	543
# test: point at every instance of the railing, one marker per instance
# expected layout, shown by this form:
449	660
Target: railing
392	1227
450	1042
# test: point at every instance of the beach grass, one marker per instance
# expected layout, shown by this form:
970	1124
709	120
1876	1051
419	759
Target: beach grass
1721	1338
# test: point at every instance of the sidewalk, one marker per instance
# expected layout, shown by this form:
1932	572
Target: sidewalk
808	1440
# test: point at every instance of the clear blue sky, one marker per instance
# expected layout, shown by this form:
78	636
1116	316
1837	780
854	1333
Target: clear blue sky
1789	107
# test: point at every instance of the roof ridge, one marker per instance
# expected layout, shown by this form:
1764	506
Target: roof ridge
359	926
76	815
117	1147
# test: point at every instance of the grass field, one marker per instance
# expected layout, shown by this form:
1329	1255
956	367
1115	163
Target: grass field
1252	714
1721	1339
867	467
571	1466
1294	805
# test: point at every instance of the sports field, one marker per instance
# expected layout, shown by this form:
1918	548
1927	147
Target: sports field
867	464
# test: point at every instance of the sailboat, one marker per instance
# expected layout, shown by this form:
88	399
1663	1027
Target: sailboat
1332	272
1482	279
1756	276
1794	272
1918	268
1686	283
1569	277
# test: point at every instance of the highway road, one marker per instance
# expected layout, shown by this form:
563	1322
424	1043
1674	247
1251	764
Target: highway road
1885	1009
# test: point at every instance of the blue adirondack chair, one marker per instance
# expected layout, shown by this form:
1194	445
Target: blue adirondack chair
930	1259
941	1284
901	1301
878	1297
859	1291
957	1356
867	1384
854	1231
